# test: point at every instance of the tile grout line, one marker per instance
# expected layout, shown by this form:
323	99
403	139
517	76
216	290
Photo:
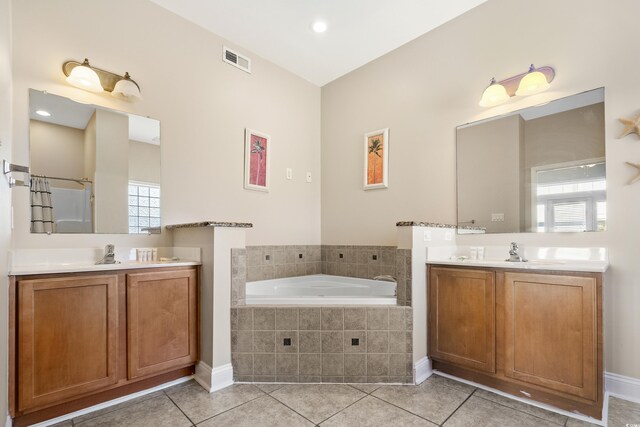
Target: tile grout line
230	409
405	410
179	408
343	409
527	413
459	406
287	406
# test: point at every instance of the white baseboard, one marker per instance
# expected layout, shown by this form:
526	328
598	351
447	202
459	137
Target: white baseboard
422	370
109	403
627	388
9	422
214	379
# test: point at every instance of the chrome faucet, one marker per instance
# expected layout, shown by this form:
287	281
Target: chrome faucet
109	255
514	255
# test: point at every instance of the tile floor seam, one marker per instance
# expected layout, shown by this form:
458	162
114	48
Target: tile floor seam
227	410
405	410
287	406
459	406
516	409
179	408
345	408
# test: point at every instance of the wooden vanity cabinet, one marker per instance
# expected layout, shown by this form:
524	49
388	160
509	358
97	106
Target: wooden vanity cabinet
162	319
462	317
78	339
548	332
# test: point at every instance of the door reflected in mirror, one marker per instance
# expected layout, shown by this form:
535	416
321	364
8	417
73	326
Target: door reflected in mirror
94	170
540	169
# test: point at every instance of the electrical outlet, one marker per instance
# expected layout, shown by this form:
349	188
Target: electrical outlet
308	176
427	235
448	235
497	217
289	173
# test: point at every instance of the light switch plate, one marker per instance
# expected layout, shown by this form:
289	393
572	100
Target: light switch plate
448	235
427	235
308	176
289	173
497	217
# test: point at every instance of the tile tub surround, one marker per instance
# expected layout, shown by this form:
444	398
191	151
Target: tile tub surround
238	276
275	262
365	262
322	344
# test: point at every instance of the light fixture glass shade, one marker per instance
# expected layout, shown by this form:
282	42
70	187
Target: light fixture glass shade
494	95
85	78
532	83
126	89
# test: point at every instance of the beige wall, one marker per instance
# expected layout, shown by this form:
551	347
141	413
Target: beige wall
204	106
56	151
5	195
144	162
482	189
426	88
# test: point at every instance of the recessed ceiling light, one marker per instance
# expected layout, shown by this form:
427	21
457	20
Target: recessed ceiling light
319	27
43	113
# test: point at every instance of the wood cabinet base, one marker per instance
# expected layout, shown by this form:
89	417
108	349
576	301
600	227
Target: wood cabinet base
591	409
104	396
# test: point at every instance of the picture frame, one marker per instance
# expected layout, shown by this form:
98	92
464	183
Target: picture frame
376	159
257	158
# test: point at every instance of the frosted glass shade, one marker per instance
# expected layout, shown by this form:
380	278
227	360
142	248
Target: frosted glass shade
85	78
494	95
126	89
532	83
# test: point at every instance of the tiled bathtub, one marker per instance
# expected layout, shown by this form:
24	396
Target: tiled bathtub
322	344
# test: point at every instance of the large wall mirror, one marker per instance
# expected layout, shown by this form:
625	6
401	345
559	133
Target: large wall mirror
540	169
94	170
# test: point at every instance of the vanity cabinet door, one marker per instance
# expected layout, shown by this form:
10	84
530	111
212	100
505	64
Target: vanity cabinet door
67	338
551	322
462	317
162	321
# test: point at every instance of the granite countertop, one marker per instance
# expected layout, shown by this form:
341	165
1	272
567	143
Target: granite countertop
436	225
210	224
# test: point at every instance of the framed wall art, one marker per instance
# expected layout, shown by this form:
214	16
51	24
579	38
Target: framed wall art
376	159
257	148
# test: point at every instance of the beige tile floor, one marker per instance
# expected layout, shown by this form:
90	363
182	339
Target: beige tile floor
437	401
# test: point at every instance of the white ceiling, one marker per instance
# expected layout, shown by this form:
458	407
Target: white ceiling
359	31
66	112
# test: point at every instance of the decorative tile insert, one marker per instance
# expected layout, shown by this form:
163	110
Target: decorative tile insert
322	344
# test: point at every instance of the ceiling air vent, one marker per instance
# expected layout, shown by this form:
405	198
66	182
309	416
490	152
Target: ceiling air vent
235	59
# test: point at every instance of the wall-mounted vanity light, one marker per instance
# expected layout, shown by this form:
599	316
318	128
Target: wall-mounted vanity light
93	79
534	81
